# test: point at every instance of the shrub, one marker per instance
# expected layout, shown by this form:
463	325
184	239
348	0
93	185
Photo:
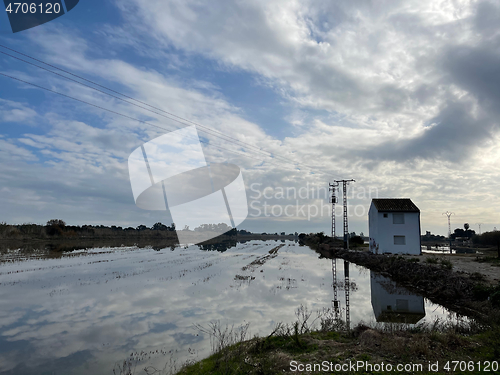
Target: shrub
446	264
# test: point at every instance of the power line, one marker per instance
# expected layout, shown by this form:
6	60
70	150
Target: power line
132	118
346	227
479	225
103	92
114	112
448	214
179	119
333	199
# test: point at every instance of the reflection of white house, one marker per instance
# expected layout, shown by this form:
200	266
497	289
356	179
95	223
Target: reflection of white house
394	304
394	226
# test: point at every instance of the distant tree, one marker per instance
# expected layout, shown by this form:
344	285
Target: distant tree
141	227
56	222
159	226
466	226
459	232
321	236
55	227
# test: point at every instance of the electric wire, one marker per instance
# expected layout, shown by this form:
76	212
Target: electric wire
135	119
208	130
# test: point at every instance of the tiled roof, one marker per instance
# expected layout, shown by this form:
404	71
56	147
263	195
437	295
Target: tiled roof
395	205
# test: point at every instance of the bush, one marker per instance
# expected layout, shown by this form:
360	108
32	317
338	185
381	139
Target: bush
55	227
446	264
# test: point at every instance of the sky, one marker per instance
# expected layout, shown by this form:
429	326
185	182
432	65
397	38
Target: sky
403	97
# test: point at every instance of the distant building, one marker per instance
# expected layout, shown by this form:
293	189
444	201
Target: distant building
394	225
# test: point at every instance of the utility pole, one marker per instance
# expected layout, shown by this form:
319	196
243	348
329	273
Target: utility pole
346	229
332	188
447	213
479	225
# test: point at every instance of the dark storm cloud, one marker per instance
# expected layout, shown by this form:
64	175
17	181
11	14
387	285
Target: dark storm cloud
463	124
452	135
476	70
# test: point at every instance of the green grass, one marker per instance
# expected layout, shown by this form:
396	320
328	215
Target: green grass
446	264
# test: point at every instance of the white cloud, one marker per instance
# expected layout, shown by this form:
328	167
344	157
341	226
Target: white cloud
399	109
11	111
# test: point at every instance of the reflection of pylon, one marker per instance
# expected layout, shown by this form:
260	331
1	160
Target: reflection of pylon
336	303
346	288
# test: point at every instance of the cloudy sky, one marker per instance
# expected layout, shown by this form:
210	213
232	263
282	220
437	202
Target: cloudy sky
403	97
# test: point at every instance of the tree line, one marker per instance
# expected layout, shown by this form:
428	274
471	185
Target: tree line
57	228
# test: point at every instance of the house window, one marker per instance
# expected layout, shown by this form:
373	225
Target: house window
398	218
385	215
399	240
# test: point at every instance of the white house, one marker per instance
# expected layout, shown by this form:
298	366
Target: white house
394	225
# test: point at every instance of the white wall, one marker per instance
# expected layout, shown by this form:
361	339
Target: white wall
382	232
373	227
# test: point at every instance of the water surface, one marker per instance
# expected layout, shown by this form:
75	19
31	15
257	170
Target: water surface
85	311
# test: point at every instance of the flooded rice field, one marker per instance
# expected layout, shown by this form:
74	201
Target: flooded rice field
85	311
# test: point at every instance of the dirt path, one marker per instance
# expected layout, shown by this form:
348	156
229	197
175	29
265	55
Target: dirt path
466	263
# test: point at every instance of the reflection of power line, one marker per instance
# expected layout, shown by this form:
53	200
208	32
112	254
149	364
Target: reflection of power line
169	115
336	303
346	289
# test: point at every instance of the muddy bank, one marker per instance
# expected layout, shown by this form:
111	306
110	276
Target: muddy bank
468	294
